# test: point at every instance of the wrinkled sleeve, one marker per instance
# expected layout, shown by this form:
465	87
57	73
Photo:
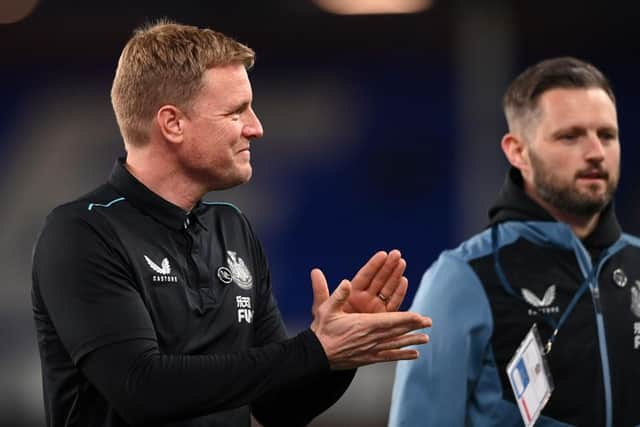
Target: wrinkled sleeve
86	287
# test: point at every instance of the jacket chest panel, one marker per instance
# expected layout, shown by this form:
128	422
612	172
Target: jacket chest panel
544	281
619	284
199	292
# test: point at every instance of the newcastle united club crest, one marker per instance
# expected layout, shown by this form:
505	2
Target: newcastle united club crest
235	270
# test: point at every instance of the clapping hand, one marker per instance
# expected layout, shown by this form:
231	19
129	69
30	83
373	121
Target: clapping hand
351	340
379	286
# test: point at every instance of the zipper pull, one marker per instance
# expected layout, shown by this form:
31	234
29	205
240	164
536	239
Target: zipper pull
595	292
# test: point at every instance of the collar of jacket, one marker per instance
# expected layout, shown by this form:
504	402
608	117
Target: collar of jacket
513	204
149	202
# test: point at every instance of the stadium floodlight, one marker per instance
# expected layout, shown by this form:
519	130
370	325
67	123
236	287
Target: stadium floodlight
373	7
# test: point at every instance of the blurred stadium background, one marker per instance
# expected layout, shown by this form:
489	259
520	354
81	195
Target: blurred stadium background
381	131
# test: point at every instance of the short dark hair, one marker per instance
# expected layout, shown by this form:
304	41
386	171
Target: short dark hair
521	98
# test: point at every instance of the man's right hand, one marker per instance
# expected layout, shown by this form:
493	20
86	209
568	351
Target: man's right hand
351	340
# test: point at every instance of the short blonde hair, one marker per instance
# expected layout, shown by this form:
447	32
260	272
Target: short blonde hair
163	63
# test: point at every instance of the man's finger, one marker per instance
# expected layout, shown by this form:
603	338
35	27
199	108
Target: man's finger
377	338
396	298
393	355
382	281
381	356
365	275
387	284
402	341
383	326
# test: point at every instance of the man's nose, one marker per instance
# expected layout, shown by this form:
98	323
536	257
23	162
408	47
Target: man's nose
253	127
595	148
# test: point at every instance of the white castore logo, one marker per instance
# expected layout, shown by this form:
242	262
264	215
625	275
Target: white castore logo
547	299
543	305
163	270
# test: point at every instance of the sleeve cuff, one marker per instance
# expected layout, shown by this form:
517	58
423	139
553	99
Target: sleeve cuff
314	352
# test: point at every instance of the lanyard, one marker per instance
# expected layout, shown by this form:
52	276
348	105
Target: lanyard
509	289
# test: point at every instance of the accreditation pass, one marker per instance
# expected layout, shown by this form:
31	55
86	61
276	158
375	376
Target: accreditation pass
530	378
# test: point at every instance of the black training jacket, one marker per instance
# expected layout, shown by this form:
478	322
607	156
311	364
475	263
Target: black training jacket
149	315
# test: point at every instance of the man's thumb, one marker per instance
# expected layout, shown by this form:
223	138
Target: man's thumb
319	286
340	295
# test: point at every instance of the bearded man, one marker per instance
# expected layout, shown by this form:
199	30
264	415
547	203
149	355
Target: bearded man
554	256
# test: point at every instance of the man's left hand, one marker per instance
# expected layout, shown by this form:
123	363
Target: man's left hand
379	286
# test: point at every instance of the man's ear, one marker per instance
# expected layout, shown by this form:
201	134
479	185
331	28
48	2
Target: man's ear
171	121
516	151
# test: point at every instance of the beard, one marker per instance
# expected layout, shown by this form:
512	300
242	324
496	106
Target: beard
567	197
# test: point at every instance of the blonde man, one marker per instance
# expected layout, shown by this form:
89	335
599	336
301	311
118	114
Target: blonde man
155	308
